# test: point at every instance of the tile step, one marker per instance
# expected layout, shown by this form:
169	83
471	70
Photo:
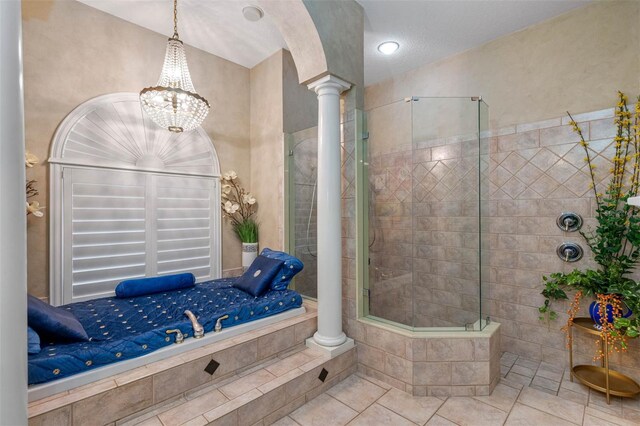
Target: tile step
262	394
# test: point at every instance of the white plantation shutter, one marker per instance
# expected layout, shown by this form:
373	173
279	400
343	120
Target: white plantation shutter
122	224
104	230
128	200
184	232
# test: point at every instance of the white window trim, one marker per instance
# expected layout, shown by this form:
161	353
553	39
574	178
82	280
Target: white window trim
210	169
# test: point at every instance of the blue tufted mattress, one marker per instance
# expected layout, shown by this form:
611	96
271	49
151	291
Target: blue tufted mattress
127	328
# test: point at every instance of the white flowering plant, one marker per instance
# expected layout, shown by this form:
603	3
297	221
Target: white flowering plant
33	207
239	206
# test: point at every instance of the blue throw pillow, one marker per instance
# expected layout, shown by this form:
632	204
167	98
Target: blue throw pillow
257	279
33	341
53	322
291	266
144	286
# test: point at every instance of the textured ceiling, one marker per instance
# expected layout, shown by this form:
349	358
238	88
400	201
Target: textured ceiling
431	30
427	30
215	26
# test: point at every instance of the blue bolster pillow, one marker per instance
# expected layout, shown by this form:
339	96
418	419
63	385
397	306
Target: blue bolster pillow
290	267
33	341
54	322
144	286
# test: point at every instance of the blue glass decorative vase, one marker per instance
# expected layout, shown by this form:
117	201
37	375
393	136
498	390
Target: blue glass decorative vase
594	312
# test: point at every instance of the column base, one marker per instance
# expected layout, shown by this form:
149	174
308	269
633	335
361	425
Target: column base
332	351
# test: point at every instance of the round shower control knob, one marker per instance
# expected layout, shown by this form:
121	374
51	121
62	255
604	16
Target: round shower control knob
569	252
569	221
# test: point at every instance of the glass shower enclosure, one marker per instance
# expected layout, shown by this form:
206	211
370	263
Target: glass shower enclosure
426	188
301	161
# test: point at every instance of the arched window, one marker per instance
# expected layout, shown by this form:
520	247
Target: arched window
129	199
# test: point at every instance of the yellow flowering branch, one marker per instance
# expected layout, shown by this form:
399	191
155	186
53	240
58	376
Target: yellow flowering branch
585	146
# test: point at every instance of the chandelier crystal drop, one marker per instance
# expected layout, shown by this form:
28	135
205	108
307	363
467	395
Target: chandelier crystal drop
173	103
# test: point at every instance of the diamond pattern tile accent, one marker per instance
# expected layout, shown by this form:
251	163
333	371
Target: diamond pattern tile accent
451	179
440	191
544	159
513	187
429	181
439	170
561	150
513	162
544	186
561	171
529	173
419	171
402	195
579	183
576	156
500	176
528	154
420	193
529	194
599	146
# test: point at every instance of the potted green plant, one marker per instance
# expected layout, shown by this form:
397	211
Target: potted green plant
239	206
615	241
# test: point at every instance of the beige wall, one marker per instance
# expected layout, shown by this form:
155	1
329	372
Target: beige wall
574	62
300	103
72	53
267	149
278	105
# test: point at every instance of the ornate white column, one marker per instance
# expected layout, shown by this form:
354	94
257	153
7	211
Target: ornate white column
13	237
329	335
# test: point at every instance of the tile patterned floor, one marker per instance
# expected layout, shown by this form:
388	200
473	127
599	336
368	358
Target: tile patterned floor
530	393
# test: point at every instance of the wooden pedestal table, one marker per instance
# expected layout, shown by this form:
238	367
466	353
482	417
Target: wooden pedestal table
600	378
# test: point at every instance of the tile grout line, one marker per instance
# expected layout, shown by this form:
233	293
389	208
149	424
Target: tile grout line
384	406
340	402
514	402
390	409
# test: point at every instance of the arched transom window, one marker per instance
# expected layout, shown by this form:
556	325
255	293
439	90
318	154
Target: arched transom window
129	199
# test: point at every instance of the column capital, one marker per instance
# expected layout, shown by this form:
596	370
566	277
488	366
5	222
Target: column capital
329	82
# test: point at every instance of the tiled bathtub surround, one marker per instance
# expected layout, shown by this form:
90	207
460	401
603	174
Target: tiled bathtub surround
133	391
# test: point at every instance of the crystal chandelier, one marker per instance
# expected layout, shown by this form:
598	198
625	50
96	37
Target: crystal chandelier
173	103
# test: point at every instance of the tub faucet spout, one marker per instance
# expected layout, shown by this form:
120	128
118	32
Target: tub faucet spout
219	323
179	335
198	329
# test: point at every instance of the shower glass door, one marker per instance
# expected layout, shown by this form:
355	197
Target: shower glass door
426	200
302	162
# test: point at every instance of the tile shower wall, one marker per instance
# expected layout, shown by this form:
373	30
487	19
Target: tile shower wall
438	365
537	171
425	218
351	325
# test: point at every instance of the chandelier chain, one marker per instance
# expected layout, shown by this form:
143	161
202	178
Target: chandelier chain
175	19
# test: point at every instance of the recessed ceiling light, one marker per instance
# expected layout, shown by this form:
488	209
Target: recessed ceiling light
388	47
252	13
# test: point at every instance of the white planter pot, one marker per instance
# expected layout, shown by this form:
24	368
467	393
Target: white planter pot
249	254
